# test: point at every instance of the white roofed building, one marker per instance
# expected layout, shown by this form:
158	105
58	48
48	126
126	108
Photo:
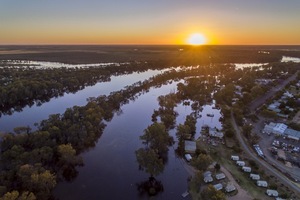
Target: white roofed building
279	128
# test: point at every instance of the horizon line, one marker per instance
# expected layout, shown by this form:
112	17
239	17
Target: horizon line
74	44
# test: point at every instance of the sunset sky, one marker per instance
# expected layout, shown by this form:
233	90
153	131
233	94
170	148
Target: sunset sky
149	22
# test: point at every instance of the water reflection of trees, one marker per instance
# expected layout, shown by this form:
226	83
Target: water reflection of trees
80	127
153	157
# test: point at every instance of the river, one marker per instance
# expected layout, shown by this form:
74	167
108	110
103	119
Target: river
110	169
35	113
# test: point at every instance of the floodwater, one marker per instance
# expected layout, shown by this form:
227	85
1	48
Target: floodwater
246	65
35	113
290	59
110	169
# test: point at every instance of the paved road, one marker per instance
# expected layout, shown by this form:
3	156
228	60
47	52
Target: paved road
253	106
262	99
263	163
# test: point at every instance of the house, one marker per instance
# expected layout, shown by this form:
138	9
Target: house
272	193
235	158
246	169
188	157
240	163
255	176
189	146
213	132
218	186
207	177
230	187
262	183
220	176
275	107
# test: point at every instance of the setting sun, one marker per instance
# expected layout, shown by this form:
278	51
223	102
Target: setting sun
196	39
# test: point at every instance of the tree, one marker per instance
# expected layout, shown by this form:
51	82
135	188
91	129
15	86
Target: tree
149	161
157	138
10	195
27	196
217	166
182	131
247	129
269	114
15	195
67	155
202	161
43	183
22	129
210	193
191	121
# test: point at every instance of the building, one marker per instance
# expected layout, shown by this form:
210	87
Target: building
274	107
240	163
292	134
213	132
207	177
230	187
254	176
262	183
279	128
246	169
218	186
269	127
282	129
272	193
275	128
235	158
189	146
220	176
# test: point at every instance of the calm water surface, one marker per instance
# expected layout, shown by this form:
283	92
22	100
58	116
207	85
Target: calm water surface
111	170
35	113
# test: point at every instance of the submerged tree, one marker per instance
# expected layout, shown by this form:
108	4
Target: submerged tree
149	161
157	138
